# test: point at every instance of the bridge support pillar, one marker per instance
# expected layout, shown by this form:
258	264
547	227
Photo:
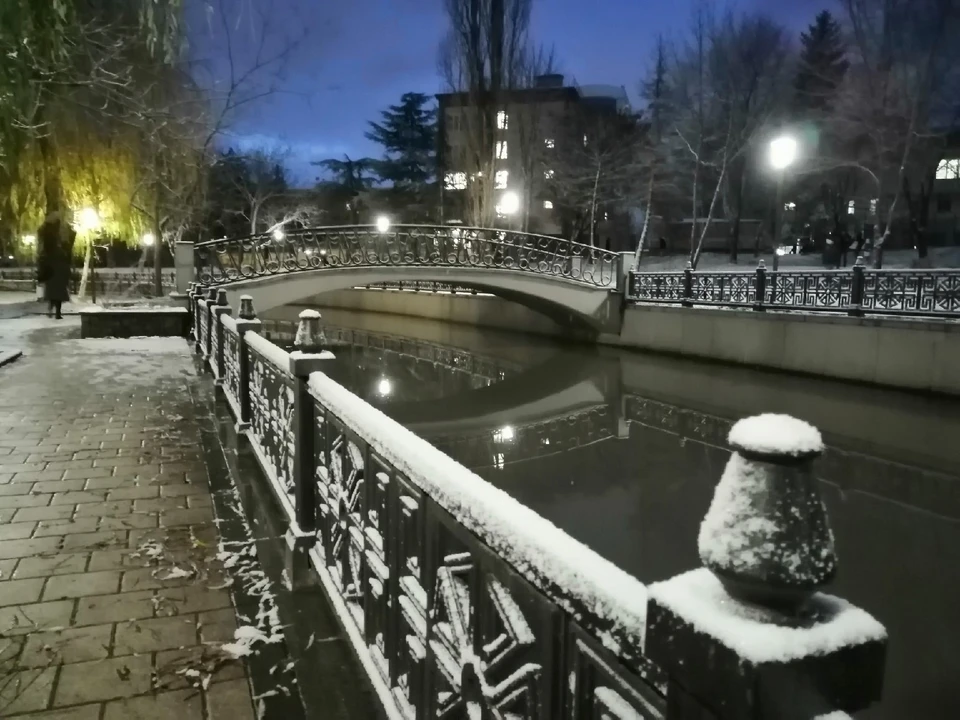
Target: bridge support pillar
749	636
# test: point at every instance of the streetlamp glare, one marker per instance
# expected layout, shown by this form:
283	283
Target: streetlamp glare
29	240
509	203
88	219
278	234
383	224
148	239
384	387
783	151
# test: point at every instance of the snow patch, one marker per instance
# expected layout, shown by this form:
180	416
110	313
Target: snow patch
228	322
699	598
775	434
309	315
276	356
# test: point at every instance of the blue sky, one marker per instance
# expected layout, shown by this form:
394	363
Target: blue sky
354	59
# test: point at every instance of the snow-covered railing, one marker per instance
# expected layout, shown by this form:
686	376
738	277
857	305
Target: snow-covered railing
855	292
461	602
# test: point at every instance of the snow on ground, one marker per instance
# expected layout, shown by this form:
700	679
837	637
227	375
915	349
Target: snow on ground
699	598
534	546
15	297
136	345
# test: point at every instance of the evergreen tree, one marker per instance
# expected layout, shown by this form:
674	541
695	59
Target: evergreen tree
822	64
407	133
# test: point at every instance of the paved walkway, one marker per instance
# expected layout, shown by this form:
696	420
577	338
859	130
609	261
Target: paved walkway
113	603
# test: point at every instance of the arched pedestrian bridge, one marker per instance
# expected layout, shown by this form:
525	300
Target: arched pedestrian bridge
576	285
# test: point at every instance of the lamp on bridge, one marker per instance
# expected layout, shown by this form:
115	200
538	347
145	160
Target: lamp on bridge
383	224
278	234
783	153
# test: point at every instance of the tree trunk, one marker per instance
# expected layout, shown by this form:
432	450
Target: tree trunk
737	212
593	207
85	273
706	225
693	226
646	221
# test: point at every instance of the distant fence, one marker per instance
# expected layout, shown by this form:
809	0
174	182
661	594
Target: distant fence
461	602
856	291
112	281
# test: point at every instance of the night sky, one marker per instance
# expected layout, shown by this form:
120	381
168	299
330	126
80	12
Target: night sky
355	58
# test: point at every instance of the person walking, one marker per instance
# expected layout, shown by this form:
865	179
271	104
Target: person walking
53	263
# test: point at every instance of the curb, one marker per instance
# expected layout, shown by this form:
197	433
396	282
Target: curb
9	356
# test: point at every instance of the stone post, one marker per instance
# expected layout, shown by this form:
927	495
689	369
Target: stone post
208	303
221	308
760	286
302	535
184	263
247	321
750	635
857	287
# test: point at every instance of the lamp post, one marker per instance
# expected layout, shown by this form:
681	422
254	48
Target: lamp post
88	221
783	152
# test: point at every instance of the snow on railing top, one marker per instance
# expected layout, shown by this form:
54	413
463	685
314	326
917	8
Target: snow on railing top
229	322
774	434
558	565
266	349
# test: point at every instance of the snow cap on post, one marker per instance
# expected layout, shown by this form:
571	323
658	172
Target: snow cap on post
246	308
766	535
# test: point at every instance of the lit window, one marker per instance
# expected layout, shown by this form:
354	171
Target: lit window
502	119
500	179
548	174
549	143
948	169
584	140
873	206
851	207
548	205
501	149
455	181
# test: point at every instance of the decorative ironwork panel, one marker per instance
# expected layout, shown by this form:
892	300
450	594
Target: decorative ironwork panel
656	287
734	289
214	347
821	290
598	686
227	260
914	292
231	368
204	326
271	420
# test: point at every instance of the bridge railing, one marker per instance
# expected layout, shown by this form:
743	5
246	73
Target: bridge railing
855	291
461	602
231	259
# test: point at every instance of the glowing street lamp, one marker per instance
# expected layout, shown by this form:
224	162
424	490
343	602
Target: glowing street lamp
783	153
88	220
383	224
29	240
148	239
509	203
278	234
384	387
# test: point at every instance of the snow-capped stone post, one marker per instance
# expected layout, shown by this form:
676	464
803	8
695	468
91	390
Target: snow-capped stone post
306	359
221	308
856	287
196	297
247	321
688	285
750	635
208	304
760	285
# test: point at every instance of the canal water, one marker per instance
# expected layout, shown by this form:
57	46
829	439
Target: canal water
622	451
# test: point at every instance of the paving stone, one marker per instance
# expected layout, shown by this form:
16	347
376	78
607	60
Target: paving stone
115	508
22	501
118	607
134	521
94	541
52	512
118	462
6	568
71	526
20	592
97	454
198	516
134	492
6	515
146	579
183	488
82	584
180	704
196	598
25	548
83	496
119	559
17	531
88	473
58	486
165	633
107	483
217	626
22	619
69	645
104	680
17	467
37	476
199	501
230	701
169	662
77	712
58	564
26	690
15	489
160	504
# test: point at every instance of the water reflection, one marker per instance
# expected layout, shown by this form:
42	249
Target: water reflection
622	451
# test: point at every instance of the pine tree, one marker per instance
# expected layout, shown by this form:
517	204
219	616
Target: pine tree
407	133
822	64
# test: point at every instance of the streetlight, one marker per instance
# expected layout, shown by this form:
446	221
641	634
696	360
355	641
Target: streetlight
29	240
384	387
278	234
509	203
88	220
783	153
383	224
148	239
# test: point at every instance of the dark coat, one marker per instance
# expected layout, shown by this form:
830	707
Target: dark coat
53	267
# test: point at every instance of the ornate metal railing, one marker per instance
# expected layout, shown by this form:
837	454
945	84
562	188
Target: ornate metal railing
424	286
460	602
856	291
228	260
